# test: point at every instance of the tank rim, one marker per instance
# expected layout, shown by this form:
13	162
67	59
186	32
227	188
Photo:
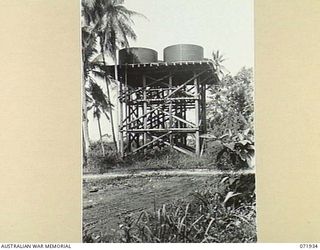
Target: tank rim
183	44
138	48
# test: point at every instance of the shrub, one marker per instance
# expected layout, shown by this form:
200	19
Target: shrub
218	213
96	162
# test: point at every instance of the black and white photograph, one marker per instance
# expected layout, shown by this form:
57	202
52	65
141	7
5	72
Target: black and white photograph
168	139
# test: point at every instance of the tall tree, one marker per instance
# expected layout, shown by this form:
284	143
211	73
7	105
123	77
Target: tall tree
89	43
89	17
115	30
112	23
100	105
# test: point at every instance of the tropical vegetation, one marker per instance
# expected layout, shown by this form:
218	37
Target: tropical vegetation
221	211
106	27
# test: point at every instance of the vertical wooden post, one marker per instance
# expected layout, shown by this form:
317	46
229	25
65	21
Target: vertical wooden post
196	113
170	110
123	107
204	108
145	120
120	119
118	101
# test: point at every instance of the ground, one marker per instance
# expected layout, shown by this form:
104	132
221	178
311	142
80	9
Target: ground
109	198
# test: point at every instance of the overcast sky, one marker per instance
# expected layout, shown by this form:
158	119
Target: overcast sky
224	25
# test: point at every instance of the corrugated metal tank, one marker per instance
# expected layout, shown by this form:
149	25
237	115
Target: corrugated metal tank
183	52
137	55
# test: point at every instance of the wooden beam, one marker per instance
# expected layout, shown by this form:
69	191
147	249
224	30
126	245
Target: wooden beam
143	115
145	119
142	130
151	142
196	113
181	120
170	110
120	119
157	80
185	83
174	147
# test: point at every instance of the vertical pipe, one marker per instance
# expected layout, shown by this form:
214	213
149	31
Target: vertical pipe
196	113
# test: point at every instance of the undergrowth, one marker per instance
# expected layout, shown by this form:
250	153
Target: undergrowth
153	159
223	212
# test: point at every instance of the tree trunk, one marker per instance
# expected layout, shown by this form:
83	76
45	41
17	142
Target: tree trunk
101	141
108	93
85	130
84	153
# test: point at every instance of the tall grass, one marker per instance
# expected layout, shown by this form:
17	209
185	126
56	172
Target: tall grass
154	159
220	213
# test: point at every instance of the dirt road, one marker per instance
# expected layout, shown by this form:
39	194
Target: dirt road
108	198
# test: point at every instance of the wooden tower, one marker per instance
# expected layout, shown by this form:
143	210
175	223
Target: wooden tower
163	104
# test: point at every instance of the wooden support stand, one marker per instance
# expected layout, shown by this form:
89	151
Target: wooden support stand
163	107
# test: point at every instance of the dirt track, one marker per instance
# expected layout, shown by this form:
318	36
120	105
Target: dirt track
108	198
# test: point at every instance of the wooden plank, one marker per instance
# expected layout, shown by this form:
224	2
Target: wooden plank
157	80
196	113
143	115
151	142
185	83
181	120
145	121
174	146
170	110
177	130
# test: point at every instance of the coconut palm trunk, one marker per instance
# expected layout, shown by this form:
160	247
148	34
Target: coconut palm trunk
85	129
109	97
100	133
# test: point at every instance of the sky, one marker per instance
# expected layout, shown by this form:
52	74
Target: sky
224	25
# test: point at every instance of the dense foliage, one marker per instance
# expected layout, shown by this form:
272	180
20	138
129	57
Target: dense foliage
106	26
230	106
231	116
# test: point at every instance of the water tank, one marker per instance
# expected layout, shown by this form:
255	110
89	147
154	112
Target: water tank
137	55
183	52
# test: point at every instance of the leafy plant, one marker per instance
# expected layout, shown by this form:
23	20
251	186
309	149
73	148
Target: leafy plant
230	104
224	212
237	153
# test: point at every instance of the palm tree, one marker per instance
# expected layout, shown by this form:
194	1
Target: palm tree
89	45
97	114
112	23
114	32
217	61
100	104
88	51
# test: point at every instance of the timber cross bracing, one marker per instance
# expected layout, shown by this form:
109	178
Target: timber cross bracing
163	104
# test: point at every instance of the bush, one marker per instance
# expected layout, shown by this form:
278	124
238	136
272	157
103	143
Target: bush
224	212
217	155
98	163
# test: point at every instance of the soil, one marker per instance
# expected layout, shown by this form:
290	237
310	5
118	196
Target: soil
109	198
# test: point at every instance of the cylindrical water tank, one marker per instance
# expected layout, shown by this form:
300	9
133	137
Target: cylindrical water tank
137	55
183	52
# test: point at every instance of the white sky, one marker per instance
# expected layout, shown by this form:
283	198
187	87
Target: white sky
224	25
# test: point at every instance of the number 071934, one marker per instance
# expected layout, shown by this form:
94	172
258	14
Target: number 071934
309	245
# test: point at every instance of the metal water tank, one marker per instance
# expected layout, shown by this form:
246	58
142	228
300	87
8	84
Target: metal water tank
137	55
183	52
